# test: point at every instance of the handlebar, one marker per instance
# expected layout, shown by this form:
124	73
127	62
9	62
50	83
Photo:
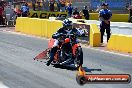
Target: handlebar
67	35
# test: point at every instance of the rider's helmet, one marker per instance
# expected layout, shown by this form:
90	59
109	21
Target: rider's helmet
67	23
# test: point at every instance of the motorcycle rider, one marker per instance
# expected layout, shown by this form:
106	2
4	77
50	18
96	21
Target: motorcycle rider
65	30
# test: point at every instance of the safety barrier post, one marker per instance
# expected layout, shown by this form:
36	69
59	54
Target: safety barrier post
95	37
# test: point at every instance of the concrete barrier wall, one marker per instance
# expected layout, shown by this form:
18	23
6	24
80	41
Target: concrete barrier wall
95	36
46	27
37	27
121	43
93	16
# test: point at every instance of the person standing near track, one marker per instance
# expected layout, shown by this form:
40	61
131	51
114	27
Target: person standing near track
1	15
51	5
130	13
85	12
105	15
62	5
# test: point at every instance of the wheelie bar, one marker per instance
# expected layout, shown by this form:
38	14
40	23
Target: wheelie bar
42	55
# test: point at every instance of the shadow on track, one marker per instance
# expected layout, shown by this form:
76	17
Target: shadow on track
90	70
72	68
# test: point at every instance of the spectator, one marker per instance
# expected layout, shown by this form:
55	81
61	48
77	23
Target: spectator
85	13
17	11
69	9
39	6
130	13
9	13
51	5
1	15
105	16
62	5
9	10
76	12
58	5
33	4
46	5
127	6
25	10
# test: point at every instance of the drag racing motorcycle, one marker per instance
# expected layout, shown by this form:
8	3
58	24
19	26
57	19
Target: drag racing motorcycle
69	52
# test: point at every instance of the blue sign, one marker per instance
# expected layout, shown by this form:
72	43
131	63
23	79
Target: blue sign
113	4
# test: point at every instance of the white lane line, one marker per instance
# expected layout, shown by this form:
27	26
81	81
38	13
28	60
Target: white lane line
3	86
101	50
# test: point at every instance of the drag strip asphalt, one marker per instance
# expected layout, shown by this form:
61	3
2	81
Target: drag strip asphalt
19	70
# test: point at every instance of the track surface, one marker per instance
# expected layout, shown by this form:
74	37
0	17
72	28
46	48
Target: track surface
19	70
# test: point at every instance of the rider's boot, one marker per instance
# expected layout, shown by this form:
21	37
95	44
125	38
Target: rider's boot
52	54
51	59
